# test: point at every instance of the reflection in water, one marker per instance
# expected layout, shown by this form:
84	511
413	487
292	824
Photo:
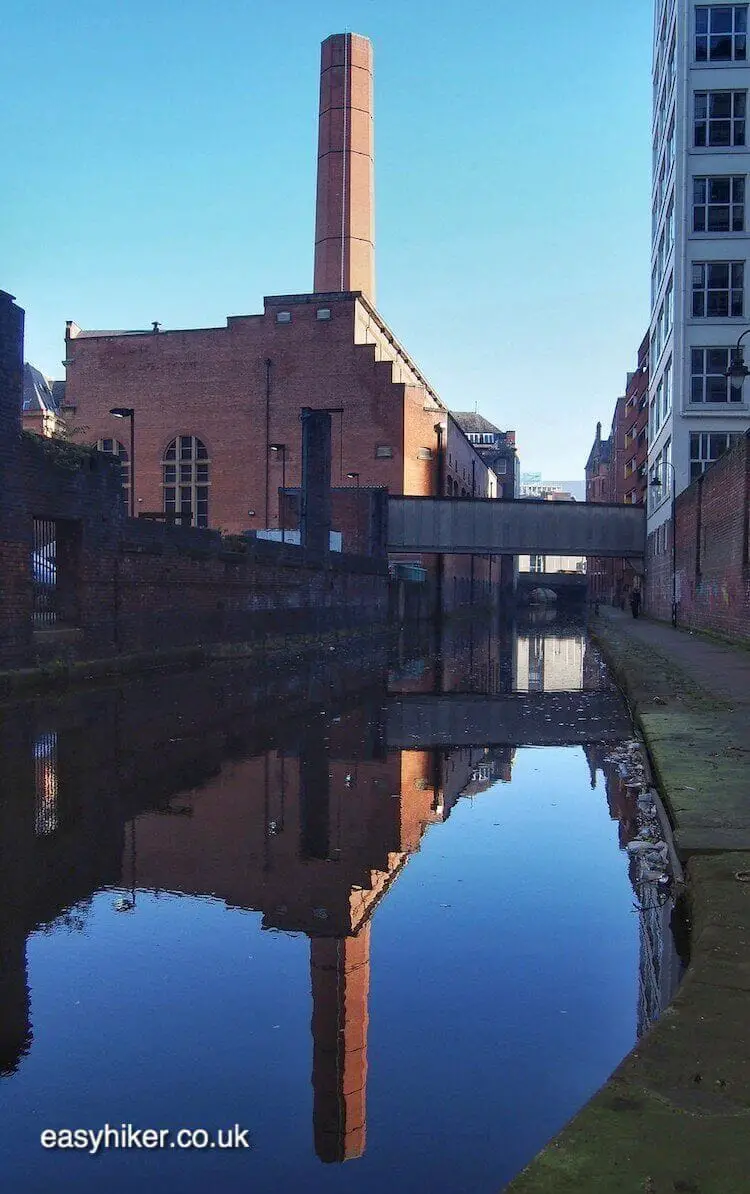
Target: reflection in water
660	968
45	782
206	791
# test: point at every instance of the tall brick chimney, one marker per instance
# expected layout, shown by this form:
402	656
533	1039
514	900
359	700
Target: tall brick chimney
345	210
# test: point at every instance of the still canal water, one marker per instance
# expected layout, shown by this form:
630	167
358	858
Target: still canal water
377	911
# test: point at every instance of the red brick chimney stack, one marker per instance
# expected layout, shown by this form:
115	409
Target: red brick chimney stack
345	210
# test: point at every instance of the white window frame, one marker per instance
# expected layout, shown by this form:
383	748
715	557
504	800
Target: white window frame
737	130
732	390
731	206
737	35
735	310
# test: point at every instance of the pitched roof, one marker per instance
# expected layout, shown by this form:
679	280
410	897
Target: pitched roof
473	424
38	391
58	393
601	453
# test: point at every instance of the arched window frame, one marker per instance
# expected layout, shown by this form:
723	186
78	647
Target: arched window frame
186	477
113	447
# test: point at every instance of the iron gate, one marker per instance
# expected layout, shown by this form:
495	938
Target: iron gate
44	571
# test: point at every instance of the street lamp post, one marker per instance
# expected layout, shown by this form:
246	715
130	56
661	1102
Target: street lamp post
282	519
738	370
354	477
127	412
656	483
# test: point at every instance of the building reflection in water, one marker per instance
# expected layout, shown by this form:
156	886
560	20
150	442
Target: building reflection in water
660	968
167	796
312	838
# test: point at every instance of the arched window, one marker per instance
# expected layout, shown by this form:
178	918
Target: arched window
186	479
115	448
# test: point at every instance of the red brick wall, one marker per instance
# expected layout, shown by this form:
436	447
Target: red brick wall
211	383
182	596
713	577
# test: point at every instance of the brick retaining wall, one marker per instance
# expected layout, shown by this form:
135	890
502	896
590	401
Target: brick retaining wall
713	573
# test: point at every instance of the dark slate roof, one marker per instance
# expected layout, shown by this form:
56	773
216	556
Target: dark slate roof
38	392
473	424
58	393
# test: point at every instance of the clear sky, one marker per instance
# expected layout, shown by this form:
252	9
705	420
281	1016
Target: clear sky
158	162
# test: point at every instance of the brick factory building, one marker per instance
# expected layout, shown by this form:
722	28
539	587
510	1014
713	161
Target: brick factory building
217	410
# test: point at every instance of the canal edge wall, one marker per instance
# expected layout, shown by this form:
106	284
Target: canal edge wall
675	1114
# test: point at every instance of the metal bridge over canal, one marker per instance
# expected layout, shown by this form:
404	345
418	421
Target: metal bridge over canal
483	526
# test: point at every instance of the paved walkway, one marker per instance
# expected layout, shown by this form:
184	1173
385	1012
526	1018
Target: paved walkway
723	670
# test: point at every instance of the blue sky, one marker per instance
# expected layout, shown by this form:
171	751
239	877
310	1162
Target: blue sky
159	163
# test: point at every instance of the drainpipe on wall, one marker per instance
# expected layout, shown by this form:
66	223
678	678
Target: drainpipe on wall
440	487
269	362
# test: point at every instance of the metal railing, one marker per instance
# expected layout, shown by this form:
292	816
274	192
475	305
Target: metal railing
44	572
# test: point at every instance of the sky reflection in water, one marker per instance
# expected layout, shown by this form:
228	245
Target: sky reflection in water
365	965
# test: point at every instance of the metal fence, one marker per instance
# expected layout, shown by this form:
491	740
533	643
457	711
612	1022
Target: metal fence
44	572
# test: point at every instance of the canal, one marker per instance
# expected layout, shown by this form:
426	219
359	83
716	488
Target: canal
386	909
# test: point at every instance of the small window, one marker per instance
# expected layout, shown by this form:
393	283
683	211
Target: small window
708	380
718	289
707	446
719	118
323	313
424	454
719	204
501	467
283	317
721	33
383	452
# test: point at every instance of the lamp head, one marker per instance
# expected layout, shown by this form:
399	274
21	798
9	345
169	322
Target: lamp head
738	370
122	412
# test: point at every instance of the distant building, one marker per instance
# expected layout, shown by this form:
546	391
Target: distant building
497	448
598	469
631	432
43	401
616	471
552	563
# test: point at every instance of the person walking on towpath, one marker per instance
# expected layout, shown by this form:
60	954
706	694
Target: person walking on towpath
635	602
